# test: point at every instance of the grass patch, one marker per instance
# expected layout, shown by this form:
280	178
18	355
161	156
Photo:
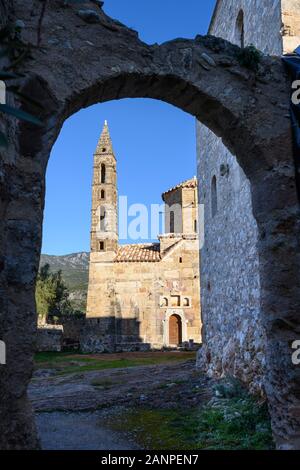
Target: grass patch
237	424
169	384
55	357
250	57
105	383
68	363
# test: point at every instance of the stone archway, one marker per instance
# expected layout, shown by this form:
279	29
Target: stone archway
106	61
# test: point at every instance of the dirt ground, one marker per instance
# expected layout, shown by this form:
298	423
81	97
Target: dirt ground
70	408
165	385
149	401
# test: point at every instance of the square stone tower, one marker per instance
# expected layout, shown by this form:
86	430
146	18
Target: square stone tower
181	208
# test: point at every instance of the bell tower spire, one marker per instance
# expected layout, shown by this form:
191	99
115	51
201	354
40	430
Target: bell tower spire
104	227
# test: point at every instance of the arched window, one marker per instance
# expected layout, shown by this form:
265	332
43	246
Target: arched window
102	219
195	226
214	197
172	222
103	173
102	194
240	29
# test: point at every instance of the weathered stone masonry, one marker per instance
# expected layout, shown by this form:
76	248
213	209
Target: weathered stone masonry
234	334
141	296
230	260
104	61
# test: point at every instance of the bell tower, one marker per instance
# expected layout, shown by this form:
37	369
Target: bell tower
104	227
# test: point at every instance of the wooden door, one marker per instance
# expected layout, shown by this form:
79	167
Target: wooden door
175	330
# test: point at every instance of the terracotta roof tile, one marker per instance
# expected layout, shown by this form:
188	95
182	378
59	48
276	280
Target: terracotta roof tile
147	253
191	183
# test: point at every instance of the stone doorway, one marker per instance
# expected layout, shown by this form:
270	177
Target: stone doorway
175	330
175	327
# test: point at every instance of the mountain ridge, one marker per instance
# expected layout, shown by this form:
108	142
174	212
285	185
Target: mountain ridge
75	273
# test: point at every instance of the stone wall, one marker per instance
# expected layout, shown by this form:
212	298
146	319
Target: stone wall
230	287
49	338
262	23
230	284
104	335
5	8
72	328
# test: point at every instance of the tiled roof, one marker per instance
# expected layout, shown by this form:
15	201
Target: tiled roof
191	183
147	253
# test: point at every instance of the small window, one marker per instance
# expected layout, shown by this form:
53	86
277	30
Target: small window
180	260
102	219
240	29
195	226
175	299
103	173
102	194
172	222
214	197
104	150
101	246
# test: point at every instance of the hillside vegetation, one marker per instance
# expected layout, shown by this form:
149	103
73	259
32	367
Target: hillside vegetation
75	272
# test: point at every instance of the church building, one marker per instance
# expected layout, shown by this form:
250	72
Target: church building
141	296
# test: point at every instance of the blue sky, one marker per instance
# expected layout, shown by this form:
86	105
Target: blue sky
154	142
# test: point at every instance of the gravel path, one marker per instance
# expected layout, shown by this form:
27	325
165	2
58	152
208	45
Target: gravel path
77	431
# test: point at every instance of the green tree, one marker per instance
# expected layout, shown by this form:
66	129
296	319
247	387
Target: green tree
52	296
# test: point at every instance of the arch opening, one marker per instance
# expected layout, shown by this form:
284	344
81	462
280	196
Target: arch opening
175	330
239	150
175	79
240	29
214	197
103	172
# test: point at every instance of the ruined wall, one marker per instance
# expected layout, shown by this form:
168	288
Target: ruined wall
230	285
262	23
49	338
5	9
72	328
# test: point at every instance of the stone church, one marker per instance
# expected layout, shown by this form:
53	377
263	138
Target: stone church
141	296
